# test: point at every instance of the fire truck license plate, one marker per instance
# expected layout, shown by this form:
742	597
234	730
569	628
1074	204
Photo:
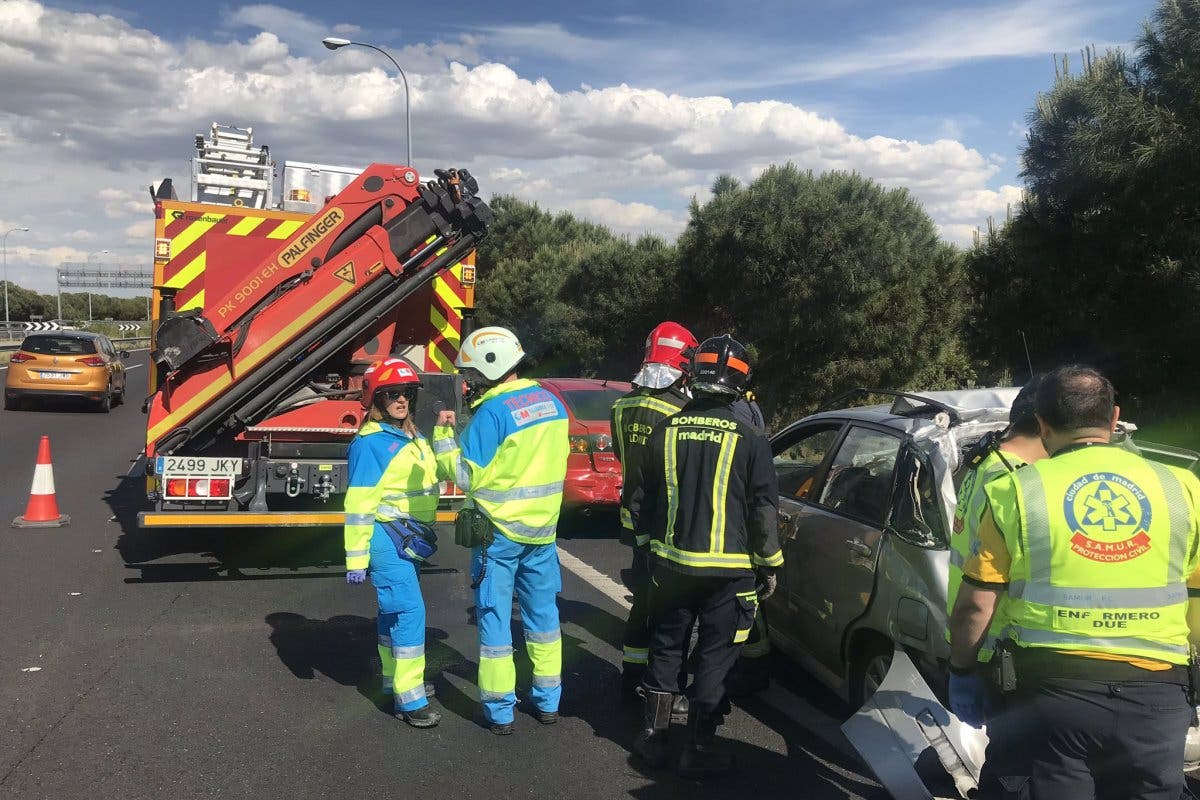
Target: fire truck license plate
195	466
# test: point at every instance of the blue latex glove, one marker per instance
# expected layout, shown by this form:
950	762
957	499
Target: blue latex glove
968	698
356	576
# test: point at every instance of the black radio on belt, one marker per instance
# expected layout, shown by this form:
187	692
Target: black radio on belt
472	528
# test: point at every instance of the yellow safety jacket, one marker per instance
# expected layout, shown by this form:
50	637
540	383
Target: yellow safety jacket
391	477
971	504
1102	543
513	459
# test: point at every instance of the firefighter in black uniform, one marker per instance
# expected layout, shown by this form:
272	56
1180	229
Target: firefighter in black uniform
658	393
708	501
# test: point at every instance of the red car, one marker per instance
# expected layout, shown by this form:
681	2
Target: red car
593	471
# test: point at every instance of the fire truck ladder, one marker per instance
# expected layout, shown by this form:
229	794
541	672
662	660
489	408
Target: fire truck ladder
227	169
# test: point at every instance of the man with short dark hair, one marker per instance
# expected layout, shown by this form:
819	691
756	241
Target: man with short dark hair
1095	550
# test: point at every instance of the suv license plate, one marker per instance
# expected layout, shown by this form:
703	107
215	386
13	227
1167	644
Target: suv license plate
197	467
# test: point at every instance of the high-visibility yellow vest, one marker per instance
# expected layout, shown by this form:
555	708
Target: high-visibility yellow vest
513	462
391	477
971	503
1102	544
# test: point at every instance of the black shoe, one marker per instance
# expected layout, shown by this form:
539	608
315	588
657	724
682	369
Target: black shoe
701	757
424	717
502	728
546	717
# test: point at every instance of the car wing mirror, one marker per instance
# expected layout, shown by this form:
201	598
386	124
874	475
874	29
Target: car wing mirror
124	354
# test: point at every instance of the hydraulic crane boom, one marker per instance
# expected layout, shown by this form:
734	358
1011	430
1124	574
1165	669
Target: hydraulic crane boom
368	248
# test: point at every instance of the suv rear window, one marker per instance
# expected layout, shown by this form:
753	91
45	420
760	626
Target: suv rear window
58	345
591	404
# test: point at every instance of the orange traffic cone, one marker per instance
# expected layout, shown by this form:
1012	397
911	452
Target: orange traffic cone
42	511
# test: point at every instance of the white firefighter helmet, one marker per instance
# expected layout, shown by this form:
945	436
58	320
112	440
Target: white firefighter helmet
493	352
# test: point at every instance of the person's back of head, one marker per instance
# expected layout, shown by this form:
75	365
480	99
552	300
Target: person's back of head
1075	402
1022	417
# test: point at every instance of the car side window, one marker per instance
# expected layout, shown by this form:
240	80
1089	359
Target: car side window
107	348
860	477
798	458
917	511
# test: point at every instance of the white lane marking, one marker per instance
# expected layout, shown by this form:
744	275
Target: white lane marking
31	669
607	586
135	366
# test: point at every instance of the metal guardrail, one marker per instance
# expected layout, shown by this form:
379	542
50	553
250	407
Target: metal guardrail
8	348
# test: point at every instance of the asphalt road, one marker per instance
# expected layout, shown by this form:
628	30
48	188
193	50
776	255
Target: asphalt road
230	664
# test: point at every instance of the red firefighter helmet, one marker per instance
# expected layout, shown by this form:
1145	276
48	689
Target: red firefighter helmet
389	372
670	343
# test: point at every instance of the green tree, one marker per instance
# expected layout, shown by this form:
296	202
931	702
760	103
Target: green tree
836	282
1102	261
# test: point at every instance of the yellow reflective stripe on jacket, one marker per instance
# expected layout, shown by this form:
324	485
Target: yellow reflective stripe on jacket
670	456
690	559
720	492
773	560
1101	542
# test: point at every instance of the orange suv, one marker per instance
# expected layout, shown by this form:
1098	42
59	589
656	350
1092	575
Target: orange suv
66	364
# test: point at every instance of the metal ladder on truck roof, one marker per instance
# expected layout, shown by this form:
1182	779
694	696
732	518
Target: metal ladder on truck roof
227	170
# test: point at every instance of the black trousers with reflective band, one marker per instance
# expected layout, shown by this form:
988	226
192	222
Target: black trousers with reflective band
676	602
637	627
1070	738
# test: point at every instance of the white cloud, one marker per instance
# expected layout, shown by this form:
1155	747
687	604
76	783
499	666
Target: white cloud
98	109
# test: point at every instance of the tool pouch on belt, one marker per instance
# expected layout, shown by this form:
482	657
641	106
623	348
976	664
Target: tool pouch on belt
1004	669
472	528
1194	678
414	541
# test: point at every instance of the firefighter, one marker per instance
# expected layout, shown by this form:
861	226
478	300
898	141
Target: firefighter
1093	551
708	501
995	455
390	503
658	392
511	463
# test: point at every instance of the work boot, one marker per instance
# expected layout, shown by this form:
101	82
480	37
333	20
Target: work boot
501	728
701	757
651	744
546	717
423	717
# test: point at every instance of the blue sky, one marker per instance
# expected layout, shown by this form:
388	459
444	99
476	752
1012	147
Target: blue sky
618	111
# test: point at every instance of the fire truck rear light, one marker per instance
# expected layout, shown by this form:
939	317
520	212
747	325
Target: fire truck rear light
177	487
208	487
20	358
91	361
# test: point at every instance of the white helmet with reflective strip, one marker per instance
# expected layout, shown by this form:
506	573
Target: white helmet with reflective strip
493	352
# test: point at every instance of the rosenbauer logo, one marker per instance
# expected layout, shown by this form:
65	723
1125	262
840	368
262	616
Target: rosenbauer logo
1109	517
311	236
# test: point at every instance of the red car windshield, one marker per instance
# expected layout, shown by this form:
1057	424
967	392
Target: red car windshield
591	404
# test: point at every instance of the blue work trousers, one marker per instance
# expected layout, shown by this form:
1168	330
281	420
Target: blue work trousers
532	571
400	624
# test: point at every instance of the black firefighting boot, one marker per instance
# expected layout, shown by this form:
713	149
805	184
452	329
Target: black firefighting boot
651	744
701	757
679	709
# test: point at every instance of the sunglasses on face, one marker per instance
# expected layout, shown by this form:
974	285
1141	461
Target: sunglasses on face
392	395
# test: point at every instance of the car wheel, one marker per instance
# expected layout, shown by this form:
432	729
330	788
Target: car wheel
104	404
870	667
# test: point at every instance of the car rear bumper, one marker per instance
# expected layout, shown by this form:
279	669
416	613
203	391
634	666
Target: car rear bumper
65	393
591	488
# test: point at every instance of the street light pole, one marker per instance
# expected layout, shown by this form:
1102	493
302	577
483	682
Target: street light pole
333	43
5	249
